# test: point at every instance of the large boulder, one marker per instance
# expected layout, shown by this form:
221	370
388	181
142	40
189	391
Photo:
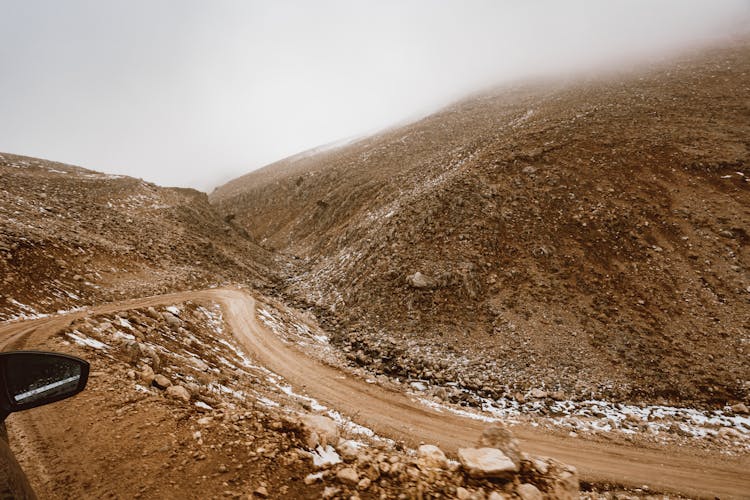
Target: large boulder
161	381
431	456
528	492
319	430
419	280
178	392
486	463
499	436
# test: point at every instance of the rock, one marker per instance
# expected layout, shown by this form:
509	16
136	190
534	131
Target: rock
419	280
432	456
161	381
462	493
348	450
347	475
558	396
499	436
199	364
561	481
496	496
261	492
171	319
178	392
329	492
486	463
740	408
147	375
528	492
151	313
319	430
675	428
539	464
728	433
364	483
529	170
538	394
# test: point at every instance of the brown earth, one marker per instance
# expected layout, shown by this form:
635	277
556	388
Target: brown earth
588	238
71	236
80	445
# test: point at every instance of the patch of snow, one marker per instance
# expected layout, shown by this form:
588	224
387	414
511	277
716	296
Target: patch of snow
468	414
82	340
268	402
201	404
350	426
419	386
126	324
122	335
174	310
323	457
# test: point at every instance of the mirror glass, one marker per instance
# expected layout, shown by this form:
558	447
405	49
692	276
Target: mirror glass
35	378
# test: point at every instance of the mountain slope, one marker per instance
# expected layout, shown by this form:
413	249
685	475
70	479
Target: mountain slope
590	239
70	236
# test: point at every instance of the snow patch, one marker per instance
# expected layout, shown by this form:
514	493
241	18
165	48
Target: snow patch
82	340
323	457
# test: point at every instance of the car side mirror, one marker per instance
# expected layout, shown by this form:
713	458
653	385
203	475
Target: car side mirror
34	378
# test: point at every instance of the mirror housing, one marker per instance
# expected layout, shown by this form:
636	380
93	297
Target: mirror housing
34	378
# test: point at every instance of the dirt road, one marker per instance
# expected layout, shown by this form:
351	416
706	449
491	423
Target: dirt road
395	415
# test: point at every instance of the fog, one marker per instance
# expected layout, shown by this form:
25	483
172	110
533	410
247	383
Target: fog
193	93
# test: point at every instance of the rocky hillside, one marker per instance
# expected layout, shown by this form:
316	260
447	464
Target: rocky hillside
587	239
70	236
176	406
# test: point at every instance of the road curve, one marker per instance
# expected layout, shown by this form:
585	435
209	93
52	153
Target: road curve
395	415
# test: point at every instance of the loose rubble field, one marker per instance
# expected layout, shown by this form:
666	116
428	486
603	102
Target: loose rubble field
588	238
71	237
726	430
208	423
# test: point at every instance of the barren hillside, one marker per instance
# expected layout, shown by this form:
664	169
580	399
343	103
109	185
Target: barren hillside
70	236
576	241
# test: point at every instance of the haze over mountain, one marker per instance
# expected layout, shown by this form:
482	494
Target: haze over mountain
589	238
192	93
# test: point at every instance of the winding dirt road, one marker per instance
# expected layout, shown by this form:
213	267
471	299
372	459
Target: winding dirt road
395	415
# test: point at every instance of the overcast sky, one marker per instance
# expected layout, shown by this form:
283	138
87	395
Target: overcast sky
193	93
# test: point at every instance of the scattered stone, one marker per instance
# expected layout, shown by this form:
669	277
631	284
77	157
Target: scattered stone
364	483
261	492
462	493
178	392
147	375
432	456
171	319
347	475
486	463
496	496
528	492
499	436
419	280
740	409
538	394
162	382
330	492
348	450
319	430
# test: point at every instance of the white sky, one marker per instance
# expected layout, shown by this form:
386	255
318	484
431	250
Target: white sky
193	93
